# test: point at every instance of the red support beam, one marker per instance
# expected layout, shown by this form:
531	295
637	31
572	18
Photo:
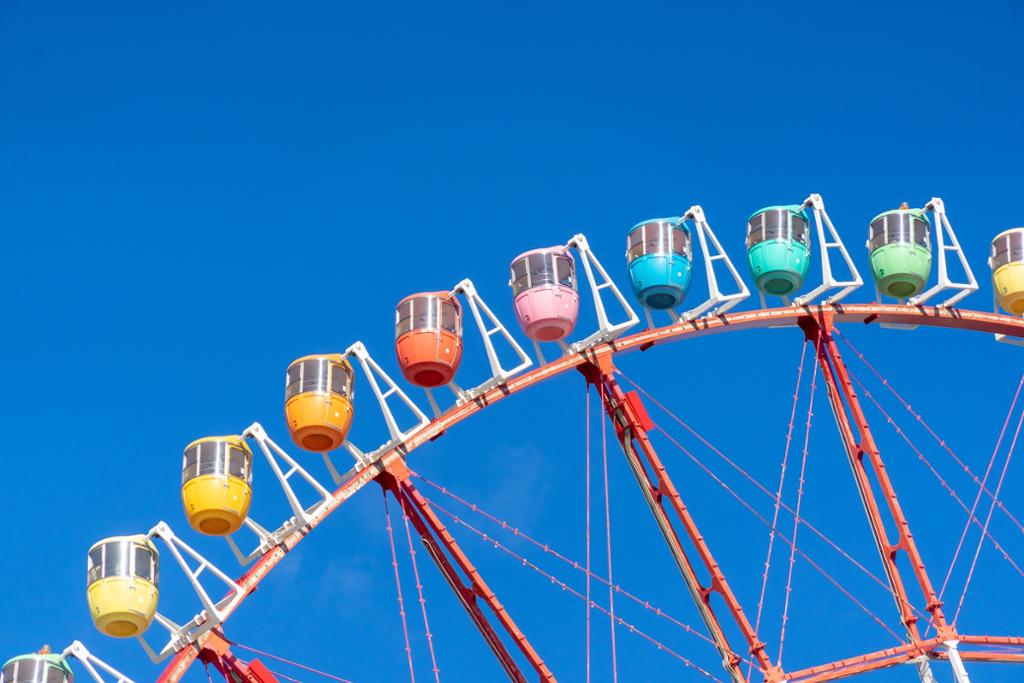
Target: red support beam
866	460
632	424
216	652
851	666
447	555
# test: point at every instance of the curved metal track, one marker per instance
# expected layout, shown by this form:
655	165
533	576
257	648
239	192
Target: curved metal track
977	321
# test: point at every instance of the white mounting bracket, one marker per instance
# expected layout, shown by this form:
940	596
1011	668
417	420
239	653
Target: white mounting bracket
93	664
828	280
717	303
944	230
956	663
373	372
606	331
487	328
213	613
302	516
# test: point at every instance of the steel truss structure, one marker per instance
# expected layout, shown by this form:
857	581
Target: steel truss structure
689	548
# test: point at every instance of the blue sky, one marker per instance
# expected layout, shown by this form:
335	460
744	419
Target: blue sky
193	195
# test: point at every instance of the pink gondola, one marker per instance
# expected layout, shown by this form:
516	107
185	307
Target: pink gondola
546	300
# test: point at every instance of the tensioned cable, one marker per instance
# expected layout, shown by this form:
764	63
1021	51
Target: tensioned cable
981	488
988	517
587	533
289	662
761	487
920	456
786	540
799	501
917	416
554	553
419	591
398	587
275	674
565	587
778	493
608	540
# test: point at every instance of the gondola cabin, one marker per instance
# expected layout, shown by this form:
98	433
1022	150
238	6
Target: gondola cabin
659	254
123	580
778	249
216	484
899	242
546	299
37	668
428	338
1007	263
318	401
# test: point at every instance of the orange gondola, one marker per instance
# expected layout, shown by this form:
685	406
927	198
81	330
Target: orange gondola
428	338
318	401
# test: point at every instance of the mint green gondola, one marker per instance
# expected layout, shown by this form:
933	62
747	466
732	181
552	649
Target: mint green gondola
901	257
778	248
36	668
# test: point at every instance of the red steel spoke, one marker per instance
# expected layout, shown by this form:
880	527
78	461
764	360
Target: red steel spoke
762	488
796	514
398	586
785	539
935	472
438	542
565	587
863	454
632	425
289	662
917	416
515	531
988	517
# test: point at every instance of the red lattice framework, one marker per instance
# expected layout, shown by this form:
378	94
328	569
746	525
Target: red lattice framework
689	548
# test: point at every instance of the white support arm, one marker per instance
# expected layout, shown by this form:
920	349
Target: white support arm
956	663
93	664
606	331
828	280
213	613
301	515
373	371
944	231
716	302
479	308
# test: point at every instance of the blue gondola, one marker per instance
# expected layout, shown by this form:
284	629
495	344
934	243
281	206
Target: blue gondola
659	253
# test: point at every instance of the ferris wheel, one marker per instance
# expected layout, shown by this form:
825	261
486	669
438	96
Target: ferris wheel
549	288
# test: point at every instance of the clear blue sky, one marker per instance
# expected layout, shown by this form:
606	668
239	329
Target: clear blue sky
194	194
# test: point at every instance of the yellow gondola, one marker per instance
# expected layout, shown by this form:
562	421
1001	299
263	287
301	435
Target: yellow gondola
123	579
216	484
318	401
1007	263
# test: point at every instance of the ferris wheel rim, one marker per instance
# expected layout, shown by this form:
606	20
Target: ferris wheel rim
902	315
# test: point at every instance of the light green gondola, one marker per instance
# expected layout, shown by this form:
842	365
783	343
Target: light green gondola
900	245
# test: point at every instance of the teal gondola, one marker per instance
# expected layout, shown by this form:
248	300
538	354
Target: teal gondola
778	248
659	253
